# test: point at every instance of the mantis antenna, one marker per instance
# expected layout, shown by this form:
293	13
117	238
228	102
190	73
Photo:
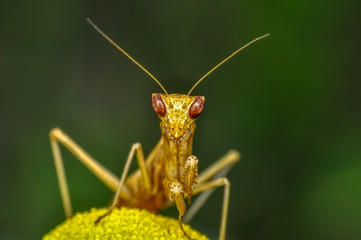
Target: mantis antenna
124	52
225	60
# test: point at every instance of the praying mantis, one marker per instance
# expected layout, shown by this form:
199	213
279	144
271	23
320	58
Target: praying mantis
169	174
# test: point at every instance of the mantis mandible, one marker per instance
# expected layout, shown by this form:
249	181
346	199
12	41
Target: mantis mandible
170	172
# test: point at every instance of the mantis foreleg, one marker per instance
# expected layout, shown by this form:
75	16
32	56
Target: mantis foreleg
216	171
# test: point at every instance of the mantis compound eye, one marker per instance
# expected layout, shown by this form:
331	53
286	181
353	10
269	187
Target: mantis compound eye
197	107
158	104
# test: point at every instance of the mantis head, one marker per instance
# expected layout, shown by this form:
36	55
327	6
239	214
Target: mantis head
177	111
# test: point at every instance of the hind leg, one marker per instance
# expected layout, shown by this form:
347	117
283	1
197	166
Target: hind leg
58	137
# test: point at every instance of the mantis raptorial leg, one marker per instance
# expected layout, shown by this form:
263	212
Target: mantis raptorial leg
57	136
217	170
205	186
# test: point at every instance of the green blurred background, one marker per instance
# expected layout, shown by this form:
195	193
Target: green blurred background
289	103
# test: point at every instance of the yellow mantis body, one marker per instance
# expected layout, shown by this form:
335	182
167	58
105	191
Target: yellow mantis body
170	172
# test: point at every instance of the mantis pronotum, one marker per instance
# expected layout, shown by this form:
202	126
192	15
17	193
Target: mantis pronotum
170	172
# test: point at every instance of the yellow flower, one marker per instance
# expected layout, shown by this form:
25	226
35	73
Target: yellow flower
123	223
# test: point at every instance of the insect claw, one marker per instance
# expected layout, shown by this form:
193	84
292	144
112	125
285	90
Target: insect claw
103	216
181	226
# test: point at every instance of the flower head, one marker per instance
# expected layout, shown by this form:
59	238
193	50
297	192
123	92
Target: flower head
123	223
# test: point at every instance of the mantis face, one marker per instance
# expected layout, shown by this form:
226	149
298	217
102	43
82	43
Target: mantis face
177	111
